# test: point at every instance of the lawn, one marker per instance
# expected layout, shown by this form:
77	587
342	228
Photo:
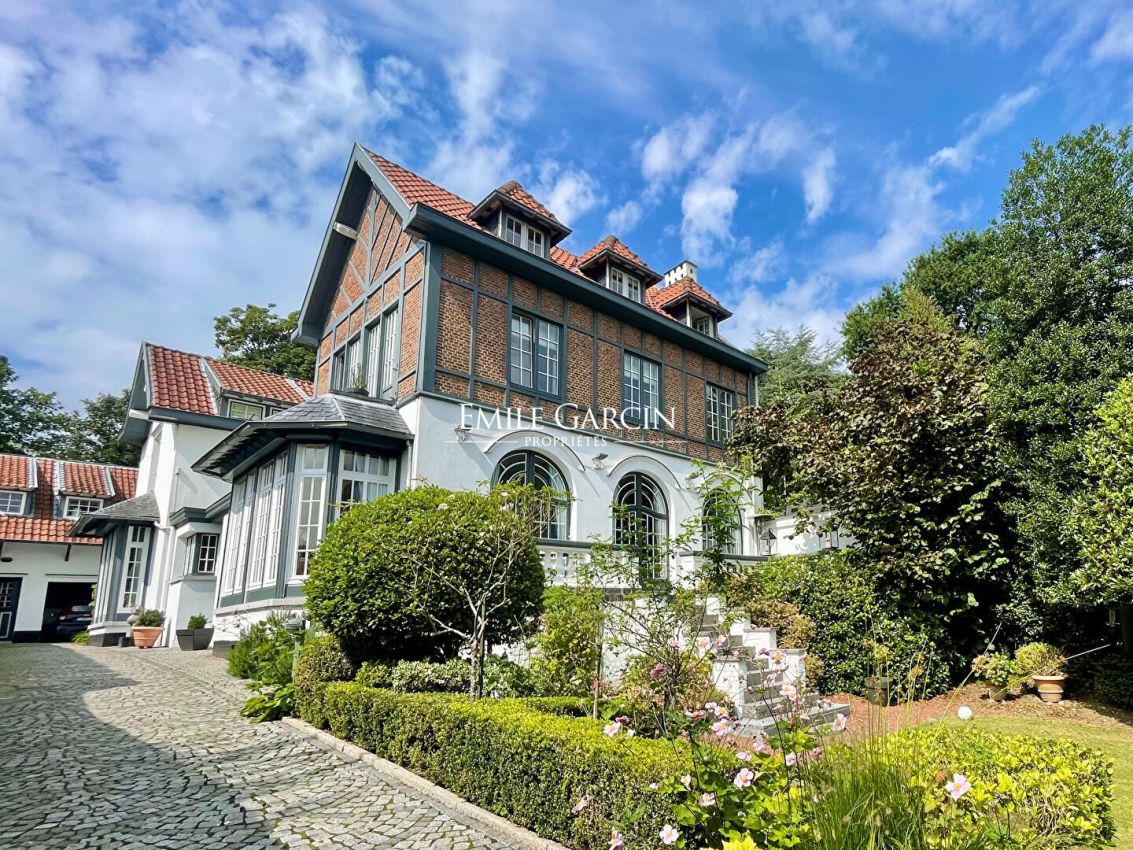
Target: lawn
1116	741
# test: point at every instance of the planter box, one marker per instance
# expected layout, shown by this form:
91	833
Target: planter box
194	640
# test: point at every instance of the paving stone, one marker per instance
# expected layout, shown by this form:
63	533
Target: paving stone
128	748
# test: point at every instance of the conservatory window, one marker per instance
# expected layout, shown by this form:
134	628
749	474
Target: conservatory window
310	508
137	548
363	478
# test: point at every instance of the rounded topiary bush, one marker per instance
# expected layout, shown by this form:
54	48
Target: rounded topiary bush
321	660
1113	681
390	572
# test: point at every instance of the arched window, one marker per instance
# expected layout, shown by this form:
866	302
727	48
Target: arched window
641	517
525	467
721	523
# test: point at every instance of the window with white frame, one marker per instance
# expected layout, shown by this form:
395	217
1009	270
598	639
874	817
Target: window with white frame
363	477
373	338
261	516
523	235
11	502
391	354
338	370
625	284
641	388
552	521
275	522
200	554
134	565
310	507
75	506
245	410
719	406
534	355
233	537
354	376
705	325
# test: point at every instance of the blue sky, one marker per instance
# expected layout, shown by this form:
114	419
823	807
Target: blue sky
161	163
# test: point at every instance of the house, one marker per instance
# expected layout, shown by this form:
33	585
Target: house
461	343
162	542
47	574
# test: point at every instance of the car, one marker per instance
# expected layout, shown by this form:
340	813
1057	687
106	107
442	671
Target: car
74	619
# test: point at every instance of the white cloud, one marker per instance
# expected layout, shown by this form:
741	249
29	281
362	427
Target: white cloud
816	302
1116	42
568	193
623	219
1001	115
673	148
760	265
818	190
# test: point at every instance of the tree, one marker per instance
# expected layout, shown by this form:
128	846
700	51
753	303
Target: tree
1102	516
798	364
31	421
257	337
93	435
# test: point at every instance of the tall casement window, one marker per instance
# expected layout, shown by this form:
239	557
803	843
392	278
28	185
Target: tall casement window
522	235
524	467
641	517
625	284
534	356
233	535
719	406
274	506
11	502
354	376
310	507
391	354
641	389
200	554
338	370
362	478
134	566
721	523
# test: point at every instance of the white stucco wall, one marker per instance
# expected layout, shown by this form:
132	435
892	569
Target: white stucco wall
37	564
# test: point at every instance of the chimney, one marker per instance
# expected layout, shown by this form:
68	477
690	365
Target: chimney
683	269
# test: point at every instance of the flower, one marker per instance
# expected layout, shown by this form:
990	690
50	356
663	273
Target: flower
839	724
720	727
630	733
964	713
720	640
695	715
959	786
686	780
763	650
743	756
612	729
622	720
777	657
721	711
669	834
617	842
582	803
789	691
658	671
710	706
703	642
743	778
653	786
816	753
707	800
791	759
760	744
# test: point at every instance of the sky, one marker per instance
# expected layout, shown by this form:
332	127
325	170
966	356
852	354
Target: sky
161	163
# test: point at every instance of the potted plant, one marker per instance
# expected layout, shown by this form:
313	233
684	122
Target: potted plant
147	627
194	636
1043	665
998	672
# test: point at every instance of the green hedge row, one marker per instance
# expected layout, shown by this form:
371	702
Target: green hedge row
524	759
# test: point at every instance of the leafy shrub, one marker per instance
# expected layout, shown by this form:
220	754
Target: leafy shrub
998	671
375	674
1113	681
149	618
526	765
387	568
564	658
321	660
244	656
270	702
197	621
1045	792
1039	659
81	639
502	678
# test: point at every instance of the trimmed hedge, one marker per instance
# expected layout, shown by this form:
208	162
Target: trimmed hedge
1113	681
321	660
523	759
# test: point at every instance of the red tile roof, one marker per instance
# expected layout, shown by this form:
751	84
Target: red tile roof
658	297
16	472
415	189
86	478
616	246
180	381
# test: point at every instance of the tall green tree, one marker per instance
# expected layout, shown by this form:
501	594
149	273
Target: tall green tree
31	421
799	364
259	338
93	432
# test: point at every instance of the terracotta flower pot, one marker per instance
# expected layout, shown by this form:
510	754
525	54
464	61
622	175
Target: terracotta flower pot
146	636
1049	687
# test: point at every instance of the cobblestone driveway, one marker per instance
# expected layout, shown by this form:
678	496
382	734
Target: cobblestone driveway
124	749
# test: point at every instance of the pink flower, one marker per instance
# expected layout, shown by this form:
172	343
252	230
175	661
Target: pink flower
582	803
707	800
769	680
789	691
743	756
777	657
816	753
669	834
710	706
658	671
959	786
791	759
617	842
760	744
623	720
763	650
721	711
720	727
696	715
839	724
612	729
720	640
743	778
686	780
703	642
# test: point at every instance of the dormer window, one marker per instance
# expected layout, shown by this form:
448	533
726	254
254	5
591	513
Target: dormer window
75	506
706	325
12	502
625	284
523	235
246	411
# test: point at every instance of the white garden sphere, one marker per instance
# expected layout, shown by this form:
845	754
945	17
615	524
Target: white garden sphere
964	713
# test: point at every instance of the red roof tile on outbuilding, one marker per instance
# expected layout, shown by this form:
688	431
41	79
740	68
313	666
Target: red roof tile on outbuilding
178	382
16	472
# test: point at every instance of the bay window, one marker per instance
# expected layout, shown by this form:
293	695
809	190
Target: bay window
310	507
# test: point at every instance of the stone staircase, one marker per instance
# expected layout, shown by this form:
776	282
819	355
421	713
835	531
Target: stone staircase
752	670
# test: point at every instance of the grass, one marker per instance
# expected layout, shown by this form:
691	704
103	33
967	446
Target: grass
1115	741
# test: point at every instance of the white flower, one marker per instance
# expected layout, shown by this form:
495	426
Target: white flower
582	803
669	834
612	729
839	724
743	778
964	713
791	759
630	733
958	787
789	691
720	640
703	642
721	711
720	727
616	841
707	800
686	780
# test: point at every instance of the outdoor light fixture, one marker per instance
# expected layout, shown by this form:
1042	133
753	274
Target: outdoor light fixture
462	432
598	458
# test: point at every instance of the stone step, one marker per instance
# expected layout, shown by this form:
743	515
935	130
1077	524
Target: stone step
750	725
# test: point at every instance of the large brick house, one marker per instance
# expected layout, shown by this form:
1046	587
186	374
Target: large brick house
459	343
47	573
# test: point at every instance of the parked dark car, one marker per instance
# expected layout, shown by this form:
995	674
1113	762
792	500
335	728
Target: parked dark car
74	619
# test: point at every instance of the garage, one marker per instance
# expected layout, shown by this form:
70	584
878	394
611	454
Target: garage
66	609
